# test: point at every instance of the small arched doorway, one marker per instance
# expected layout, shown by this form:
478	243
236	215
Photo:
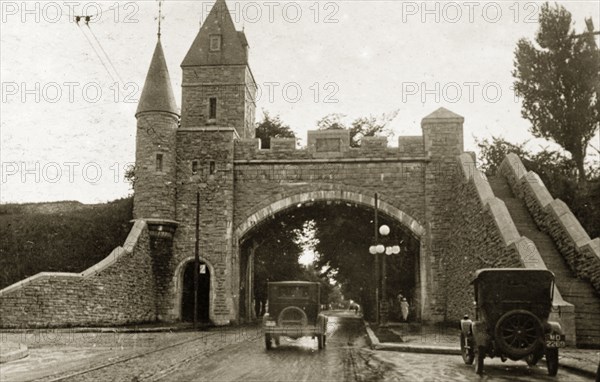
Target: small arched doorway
187	295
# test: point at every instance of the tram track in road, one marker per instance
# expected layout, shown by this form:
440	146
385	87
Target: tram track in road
163	373
160	373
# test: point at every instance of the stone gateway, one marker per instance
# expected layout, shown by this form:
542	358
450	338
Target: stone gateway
428	184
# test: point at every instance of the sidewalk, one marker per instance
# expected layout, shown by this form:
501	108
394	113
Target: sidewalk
444	340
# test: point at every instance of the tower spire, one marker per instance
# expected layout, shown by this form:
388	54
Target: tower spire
160	16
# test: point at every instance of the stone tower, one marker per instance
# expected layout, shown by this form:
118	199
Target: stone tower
157	120
218	86
218	106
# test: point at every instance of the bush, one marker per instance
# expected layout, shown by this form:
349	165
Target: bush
59	237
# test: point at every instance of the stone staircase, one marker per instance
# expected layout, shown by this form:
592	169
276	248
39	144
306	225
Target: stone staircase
578	292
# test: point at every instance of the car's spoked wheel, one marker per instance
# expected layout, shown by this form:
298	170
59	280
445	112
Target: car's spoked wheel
518	333
552	361
468	355
268	343
480	355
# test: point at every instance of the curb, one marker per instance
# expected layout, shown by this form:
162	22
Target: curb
390	346
20	351
576	369
387	346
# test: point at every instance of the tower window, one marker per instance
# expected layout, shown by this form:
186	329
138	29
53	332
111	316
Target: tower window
159	162
212	108
215	42
212	167
194	167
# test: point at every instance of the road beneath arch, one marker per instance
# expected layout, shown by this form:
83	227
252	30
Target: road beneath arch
239	354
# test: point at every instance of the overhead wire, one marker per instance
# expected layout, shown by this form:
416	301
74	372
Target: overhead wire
96	51
105	54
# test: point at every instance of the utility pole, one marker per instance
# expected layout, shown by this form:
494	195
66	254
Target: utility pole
197	259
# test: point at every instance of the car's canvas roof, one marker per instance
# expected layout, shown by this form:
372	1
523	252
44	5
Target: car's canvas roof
522	272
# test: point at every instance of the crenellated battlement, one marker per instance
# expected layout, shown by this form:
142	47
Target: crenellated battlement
330	144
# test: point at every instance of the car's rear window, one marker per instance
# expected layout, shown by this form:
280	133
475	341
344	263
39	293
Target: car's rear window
292	291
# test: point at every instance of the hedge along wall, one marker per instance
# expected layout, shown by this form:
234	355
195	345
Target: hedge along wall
485	236
118	290
554	217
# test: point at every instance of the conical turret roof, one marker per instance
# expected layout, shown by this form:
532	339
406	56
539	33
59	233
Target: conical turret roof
157	94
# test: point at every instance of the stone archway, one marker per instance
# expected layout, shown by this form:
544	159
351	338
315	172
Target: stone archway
286	202
178	283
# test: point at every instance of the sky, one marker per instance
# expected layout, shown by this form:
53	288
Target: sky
69	91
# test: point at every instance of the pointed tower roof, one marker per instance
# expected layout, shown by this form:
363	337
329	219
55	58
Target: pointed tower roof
232	50
157	94
443	113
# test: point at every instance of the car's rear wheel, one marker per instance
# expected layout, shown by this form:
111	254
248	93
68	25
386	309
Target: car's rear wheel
552	361
468	355
268	343
480	355
533	358
518	333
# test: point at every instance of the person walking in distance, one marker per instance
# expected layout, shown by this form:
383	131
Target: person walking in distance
404	308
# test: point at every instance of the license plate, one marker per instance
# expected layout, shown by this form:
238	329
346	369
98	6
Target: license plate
555	340
555	344
270	323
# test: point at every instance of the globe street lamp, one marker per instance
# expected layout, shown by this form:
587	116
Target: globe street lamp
378	249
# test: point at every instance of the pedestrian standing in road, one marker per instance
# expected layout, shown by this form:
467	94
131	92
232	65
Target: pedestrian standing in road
404	309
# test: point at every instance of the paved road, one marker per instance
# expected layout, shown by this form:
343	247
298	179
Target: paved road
238	354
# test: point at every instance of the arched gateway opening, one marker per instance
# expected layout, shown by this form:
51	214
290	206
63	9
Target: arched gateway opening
186	289
350	218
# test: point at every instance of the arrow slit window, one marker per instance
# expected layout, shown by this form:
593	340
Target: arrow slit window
212	108
159	162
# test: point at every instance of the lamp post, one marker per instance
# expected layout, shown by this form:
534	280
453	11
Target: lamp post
197	260
377	250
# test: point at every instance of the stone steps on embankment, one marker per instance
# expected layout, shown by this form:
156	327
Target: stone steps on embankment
578	292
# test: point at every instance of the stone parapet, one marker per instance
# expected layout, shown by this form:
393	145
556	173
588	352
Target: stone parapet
117	290
555	218
323	144
485	236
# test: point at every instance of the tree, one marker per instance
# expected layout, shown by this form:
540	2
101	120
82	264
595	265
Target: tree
558	81
272	127
361	127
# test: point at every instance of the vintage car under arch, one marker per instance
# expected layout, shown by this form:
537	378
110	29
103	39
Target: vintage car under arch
294	311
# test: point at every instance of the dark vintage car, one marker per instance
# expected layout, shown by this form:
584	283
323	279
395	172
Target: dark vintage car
294	311
512	308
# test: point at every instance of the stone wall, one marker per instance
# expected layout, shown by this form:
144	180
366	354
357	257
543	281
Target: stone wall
554	217
216	186
154	195
118	290
481	237
232	86
484	236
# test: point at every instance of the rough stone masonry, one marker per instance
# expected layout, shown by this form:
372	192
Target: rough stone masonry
428	184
